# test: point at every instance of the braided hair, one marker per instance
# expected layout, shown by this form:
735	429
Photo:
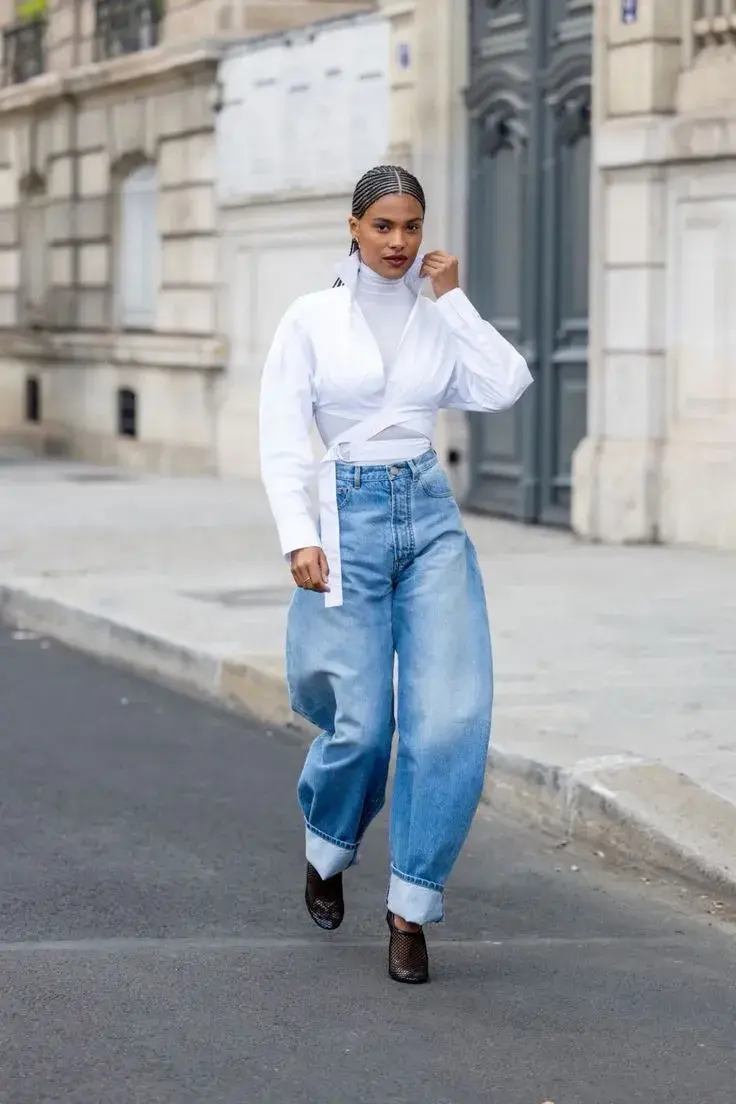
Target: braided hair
383	180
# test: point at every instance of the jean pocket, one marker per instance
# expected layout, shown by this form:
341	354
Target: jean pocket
344	490
434	482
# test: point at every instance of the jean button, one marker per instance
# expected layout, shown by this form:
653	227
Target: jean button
393	472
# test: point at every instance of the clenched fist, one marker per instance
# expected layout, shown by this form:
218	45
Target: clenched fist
443	270
309	569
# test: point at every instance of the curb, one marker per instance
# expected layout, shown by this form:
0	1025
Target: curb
640	809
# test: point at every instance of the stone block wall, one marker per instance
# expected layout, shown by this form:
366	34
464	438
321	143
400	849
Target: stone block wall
7	12
404	69
70	34
429	108
659	460
186	19
266	16
9	233
67	142
64	151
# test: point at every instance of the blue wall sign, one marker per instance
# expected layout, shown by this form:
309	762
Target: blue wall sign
403	55
629	11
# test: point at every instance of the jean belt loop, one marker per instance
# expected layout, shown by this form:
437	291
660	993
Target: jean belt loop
356	477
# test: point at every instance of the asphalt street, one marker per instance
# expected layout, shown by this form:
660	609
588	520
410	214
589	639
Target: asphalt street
154	948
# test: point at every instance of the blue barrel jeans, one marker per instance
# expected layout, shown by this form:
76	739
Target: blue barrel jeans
412	590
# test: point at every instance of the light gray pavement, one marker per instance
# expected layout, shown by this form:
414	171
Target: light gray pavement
615	667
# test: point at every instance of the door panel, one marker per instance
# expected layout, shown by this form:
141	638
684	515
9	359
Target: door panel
564	246
498	231
497	441
529	105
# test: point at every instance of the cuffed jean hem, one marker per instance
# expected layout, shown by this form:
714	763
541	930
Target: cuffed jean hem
326	857
416	903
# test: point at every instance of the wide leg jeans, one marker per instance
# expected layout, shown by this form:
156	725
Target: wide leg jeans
412	590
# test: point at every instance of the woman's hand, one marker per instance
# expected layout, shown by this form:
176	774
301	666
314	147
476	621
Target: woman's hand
443	270
309	569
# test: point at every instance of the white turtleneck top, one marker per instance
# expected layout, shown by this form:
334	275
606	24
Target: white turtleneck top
386	306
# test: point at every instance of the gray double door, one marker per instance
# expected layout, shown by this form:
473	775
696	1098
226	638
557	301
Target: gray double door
530	107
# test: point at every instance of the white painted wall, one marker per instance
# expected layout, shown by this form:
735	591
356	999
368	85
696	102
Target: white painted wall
307	112
271	254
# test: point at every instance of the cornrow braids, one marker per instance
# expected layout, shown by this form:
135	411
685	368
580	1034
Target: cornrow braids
383	180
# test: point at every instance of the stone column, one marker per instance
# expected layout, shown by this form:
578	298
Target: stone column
403	70
441	159
617	467
9	244
440	145
58	166
63	34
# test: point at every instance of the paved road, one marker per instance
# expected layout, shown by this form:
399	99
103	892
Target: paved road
153	949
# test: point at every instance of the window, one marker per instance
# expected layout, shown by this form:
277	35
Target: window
139	250
127	412
126	26
23	46
33	399
34	267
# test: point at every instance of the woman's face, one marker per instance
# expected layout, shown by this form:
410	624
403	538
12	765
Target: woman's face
389	235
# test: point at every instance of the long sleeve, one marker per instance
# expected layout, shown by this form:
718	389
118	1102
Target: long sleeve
489	373
287	461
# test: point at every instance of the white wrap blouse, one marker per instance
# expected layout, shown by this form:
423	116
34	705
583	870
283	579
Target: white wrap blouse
326	363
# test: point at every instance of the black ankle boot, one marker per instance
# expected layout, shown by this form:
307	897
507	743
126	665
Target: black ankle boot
408	960
324	899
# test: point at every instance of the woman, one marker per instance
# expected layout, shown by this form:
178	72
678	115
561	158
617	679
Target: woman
389	572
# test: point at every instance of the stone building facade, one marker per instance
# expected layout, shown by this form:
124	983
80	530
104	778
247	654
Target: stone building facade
656	458
658	462
109	342
282	213
114	343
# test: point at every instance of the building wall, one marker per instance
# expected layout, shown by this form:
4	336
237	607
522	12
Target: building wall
72	22
69	141
428	135
659	461
187	19
271	253
67	159
283	214
441	35
427	75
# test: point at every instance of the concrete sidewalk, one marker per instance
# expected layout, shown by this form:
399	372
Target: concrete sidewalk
615	667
